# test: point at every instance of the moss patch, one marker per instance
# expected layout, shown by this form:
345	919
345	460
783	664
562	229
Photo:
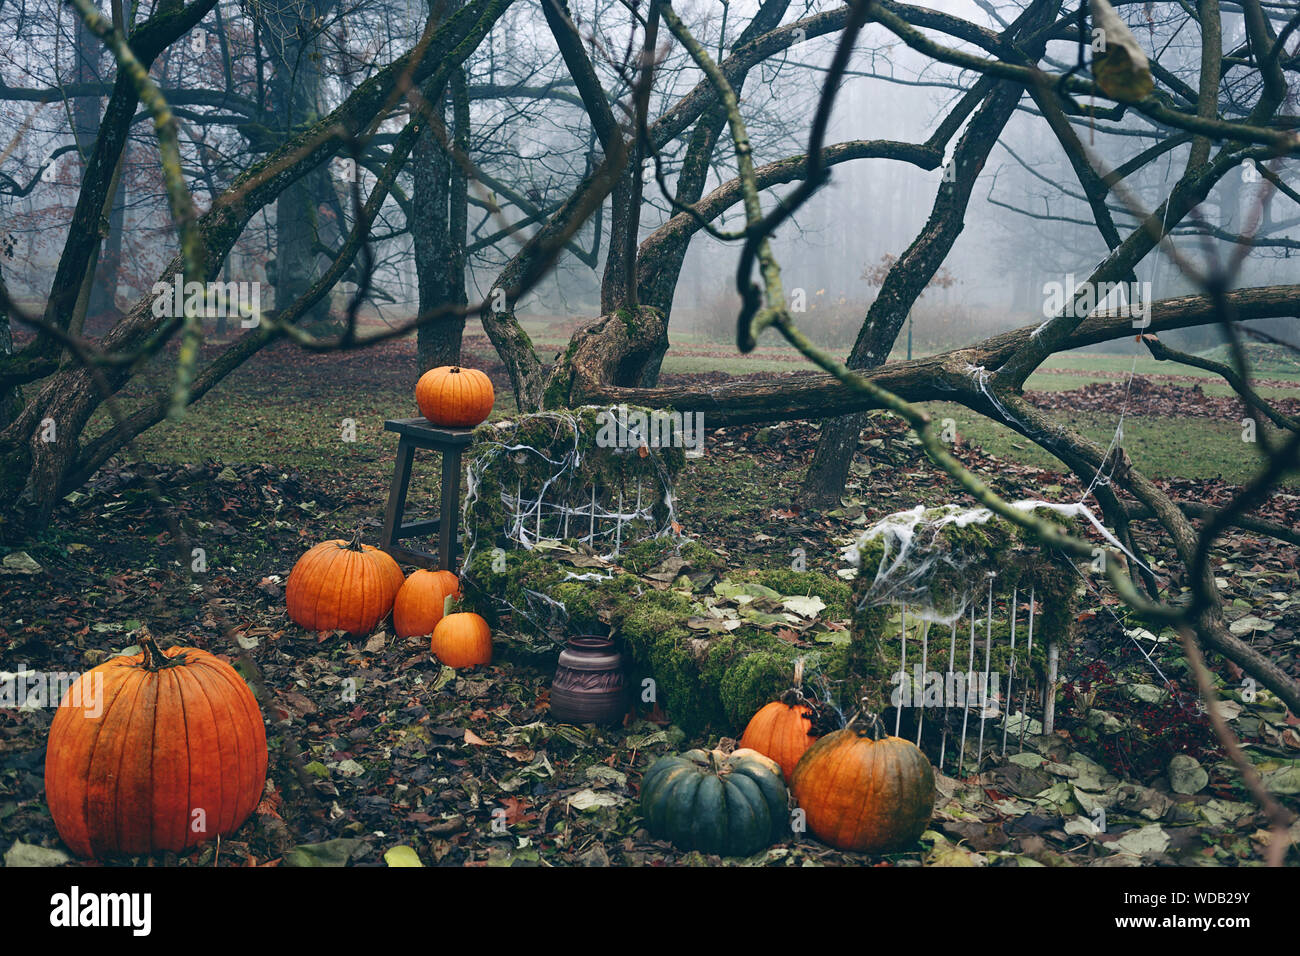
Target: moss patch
706	679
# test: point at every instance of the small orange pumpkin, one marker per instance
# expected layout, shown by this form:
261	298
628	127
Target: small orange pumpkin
158	751
782	730
863	794
343	585
462	640
454	397
420	602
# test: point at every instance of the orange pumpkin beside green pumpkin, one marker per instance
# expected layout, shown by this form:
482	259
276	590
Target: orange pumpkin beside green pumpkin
783	729
863	794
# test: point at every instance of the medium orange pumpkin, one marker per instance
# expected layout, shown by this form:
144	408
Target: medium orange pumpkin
420	602
462	640
782	730
454	397
156	751
863	794
342	585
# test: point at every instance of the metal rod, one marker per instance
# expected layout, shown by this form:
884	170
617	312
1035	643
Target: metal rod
925	658
902	670
1011	673
1029	650
984	690
618	524
952	655
965	703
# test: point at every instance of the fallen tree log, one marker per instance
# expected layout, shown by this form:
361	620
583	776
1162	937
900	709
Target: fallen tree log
950	376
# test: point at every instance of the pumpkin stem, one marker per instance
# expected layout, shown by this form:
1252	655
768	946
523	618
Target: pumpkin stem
871	721
877	728
154	658
355	543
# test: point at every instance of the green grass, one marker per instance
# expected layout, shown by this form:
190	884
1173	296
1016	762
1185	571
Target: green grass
265	415
1197	448
1063	371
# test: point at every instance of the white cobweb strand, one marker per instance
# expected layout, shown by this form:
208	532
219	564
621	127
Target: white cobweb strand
909	556
529	513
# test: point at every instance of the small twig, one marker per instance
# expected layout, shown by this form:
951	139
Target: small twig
1279	817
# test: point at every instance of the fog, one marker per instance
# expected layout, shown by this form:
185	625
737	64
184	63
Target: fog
1026	224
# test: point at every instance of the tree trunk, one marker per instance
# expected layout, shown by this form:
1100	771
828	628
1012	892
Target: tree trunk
659	285
86	118
829	470
612	350
438	343
945	377
14	460
295	91
438	227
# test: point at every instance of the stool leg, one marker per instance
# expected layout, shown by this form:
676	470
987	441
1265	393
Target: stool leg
449	508
397	494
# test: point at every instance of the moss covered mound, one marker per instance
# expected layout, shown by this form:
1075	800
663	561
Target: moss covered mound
710	646
566	474
714	645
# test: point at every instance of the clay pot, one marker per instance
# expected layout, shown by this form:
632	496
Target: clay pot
589	686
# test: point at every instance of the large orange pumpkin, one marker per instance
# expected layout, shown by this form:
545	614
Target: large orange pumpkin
462	640
454	397
782	730
420	602
156	751
342	585
863	794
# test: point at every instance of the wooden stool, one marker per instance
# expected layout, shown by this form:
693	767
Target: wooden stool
448	442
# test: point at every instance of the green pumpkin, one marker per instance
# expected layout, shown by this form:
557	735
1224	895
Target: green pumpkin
729	804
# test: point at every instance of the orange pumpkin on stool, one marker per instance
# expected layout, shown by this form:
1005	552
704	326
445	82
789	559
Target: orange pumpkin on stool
453	397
